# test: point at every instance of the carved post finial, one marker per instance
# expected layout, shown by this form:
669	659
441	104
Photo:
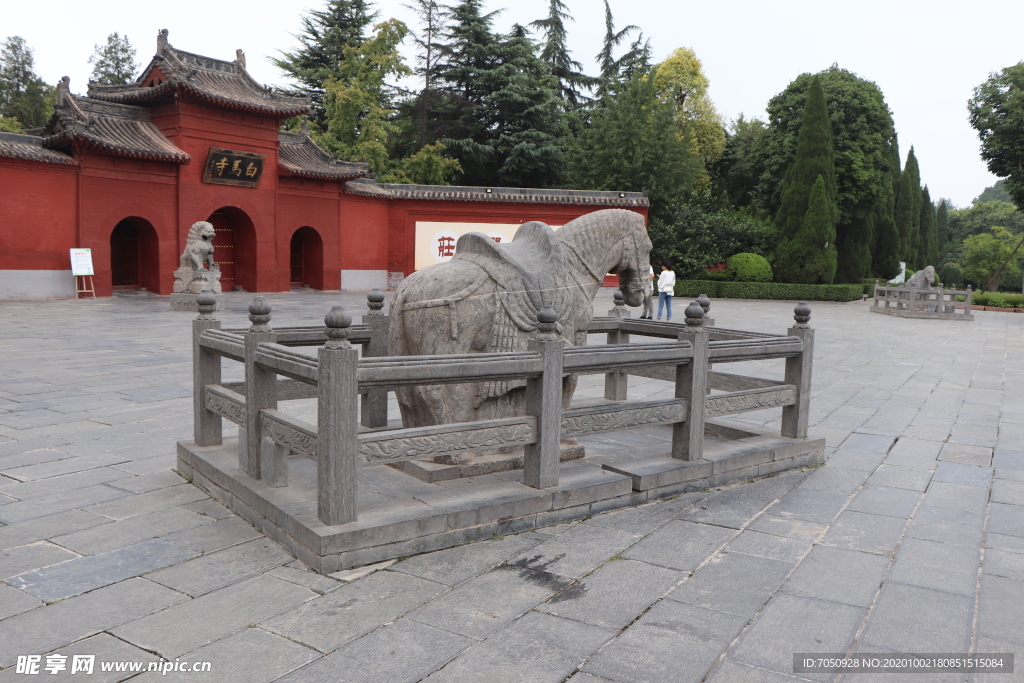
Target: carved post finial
705	303
337	323
259	315
694	315
620	301
547	322
206	303
802	314
375	301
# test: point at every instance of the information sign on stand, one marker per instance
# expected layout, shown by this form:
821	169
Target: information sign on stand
81	268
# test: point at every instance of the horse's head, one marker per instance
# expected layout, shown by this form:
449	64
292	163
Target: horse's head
635	266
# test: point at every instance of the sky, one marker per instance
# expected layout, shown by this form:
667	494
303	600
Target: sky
927	57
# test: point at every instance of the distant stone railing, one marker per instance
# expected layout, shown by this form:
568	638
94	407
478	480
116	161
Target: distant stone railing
922	302
337	377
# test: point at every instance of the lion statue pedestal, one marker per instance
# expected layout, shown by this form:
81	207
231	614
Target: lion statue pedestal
192	277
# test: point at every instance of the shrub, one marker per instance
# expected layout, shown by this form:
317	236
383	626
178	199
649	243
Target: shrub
750	268
768	290
998	302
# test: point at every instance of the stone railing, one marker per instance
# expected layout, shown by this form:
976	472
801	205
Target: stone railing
922	302
337	377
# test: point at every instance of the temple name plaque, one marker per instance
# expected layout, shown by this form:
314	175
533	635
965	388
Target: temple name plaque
231	167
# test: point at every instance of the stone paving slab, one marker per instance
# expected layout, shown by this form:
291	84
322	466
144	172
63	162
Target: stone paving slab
923	425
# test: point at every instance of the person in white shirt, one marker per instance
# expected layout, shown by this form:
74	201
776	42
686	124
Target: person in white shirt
648	311
666	288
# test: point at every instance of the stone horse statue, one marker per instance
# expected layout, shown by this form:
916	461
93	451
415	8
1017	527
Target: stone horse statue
486	299
923	278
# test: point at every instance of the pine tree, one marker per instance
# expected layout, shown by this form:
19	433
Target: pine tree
556	54
23	94
419	109
813	160
908	209
927	244
612	69
502	118
810	256
114	63
325	35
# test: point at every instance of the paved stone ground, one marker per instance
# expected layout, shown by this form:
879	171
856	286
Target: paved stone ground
910	538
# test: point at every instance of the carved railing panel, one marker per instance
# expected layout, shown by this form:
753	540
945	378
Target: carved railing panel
419	442
295	435
580	421
226	403
756	399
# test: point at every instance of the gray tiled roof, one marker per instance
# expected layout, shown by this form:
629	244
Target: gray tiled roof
30	148
299	156
520	195
107	128
226	84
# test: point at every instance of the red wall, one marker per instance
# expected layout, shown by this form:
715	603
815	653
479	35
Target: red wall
46	209
38	215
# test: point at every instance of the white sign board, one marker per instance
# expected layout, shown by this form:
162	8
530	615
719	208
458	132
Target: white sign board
81	262
435	242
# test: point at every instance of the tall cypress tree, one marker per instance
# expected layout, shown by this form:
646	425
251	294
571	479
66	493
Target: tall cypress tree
556	54
810	256
325	35
927	244
908	209
23	94
612	68
942	226
814	159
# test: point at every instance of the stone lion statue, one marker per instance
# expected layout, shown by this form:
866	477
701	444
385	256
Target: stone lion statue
923	278
199	247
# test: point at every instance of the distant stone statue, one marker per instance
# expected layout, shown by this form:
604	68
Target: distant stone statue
923	278
193	276
486	299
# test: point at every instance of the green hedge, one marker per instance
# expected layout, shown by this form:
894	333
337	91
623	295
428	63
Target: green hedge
768	290
996	299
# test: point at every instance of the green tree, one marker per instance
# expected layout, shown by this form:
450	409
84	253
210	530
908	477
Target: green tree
681	80
735	174
995	193
982	217
908	210
358	127
616	71
696	235
885	260
997	113
812	162
555	53
10	125
942	225
23	94
984	254
503	117
810	256
632	143
429	166
864	141
114	63
417	112
927	241
322	47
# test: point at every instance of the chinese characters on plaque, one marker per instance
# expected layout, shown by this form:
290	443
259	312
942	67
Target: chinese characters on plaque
230	167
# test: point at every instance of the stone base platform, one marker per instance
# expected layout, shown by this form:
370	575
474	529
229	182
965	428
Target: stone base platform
400	515
184	301
933	315
433	472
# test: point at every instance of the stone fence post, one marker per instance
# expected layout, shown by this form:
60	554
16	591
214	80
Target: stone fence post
338	398
967	301
691	384
374	410
544	401
798	373
616	381
206	366
258	457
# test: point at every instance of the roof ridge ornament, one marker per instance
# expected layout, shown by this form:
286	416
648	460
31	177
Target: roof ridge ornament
161	40
240	58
